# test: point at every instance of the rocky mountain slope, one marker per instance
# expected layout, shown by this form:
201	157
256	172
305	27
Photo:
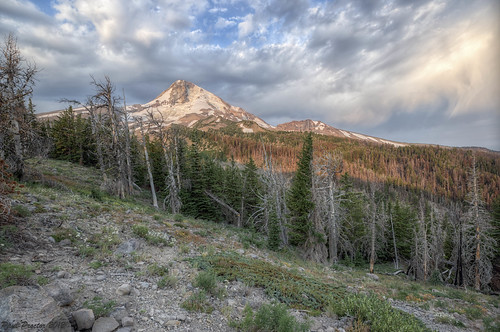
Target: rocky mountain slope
186	104
119	265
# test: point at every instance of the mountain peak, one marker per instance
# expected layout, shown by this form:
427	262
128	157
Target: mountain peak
186	103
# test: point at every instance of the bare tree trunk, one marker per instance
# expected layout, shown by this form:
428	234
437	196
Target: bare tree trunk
396	263
148	165
127	146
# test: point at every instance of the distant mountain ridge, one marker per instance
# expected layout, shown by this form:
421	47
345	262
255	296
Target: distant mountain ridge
187	104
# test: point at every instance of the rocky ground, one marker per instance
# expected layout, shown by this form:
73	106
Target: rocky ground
89	253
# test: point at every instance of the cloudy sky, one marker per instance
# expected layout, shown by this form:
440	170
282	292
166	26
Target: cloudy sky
412	71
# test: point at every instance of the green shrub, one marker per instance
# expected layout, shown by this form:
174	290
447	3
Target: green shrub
157	270
7	233
140	230
14	274
167	281
100	307
198	302
64	233
435	278
207	281
381	315
473	312
21	211
97	194
178	217
270	317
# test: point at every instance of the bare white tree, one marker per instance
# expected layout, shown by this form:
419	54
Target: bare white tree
17	78
479	244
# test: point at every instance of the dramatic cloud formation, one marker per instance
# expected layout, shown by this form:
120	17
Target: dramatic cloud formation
416	71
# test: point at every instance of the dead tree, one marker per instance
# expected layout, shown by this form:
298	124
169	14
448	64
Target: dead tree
328	167
479	244
17	78
272	197
148	164
169	140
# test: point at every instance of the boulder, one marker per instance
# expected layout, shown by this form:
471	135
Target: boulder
105	324
30	308
60	292
84	318
127	247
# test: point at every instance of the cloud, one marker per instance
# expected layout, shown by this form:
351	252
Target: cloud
361	65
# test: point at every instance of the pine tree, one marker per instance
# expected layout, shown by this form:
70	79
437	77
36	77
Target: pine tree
251	192
273	236
300	203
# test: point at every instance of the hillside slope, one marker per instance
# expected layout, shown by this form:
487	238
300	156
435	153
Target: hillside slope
122	258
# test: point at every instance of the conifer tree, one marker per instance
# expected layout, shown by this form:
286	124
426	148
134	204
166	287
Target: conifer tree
300	203
273	236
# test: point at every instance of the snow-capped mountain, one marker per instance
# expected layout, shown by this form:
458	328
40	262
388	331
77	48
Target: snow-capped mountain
187	104
319	127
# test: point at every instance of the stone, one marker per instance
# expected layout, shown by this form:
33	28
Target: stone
372	276
60	292
119	313
181	317
125	329
173	323
63	274
65	242
105	324
100	277
123	289
30	308
127	321
127	247
51	239
84	318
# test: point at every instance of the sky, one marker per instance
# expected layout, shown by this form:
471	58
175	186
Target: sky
411	71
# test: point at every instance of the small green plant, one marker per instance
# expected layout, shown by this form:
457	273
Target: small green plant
14	274
198	302
157	270
207	281
167	282
140	230
440	304
97	194
490	325
184	249
65	233
21	211
473	312
270	317
96	264
449	321
42	281
100	307
7	233
154	238
86	251
178	217
157	217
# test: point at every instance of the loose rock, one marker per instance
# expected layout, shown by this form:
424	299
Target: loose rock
123	289
84	318
105	324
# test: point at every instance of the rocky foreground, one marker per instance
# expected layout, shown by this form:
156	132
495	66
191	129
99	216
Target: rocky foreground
93	263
